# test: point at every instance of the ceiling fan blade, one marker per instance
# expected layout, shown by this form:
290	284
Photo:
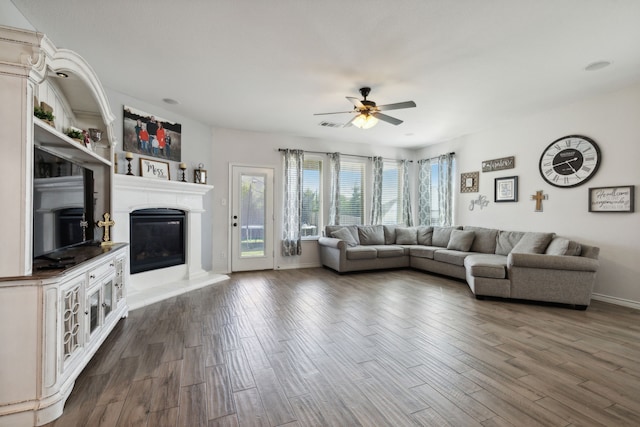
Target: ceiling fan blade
397	106
386	118
355	101
350	122
337	112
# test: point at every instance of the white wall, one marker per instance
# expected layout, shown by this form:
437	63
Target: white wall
10	16
196	146
261	149
612	121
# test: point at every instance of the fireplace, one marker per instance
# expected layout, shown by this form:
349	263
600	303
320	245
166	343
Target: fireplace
157	239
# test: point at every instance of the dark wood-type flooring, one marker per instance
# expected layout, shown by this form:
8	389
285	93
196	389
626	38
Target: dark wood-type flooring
395	348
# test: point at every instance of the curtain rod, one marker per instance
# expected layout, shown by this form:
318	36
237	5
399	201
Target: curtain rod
349	155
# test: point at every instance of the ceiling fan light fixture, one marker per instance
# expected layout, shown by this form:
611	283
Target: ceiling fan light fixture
365	121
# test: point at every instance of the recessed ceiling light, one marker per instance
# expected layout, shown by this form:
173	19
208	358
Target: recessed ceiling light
62	75
170	101
598	65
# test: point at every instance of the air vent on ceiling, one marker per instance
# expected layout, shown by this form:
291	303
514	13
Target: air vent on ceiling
331	125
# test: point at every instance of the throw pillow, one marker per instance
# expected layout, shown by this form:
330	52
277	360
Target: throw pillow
533	243
406	236
344	234
389	234
441	236
461	240
558	246
425	235
371	234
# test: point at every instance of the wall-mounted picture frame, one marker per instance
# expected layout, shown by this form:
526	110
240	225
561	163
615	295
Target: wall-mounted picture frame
149	135
506	189
499	164
469	182
200	176
154	169
612	199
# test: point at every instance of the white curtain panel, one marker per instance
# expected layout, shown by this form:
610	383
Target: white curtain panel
445	189
291	227
406	195
334	200
376	202
424	192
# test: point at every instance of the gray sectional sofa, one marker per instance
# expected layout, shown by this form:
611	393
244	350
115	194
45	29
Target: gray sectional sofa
495	263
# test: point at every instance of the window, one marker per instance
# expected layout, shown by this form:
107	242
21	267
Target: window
391	193
351	186
311	197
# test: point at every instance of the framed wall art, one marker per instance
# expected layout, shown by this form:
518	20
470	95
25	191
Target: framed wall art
469	182
154	169
506	189
612	199
150	135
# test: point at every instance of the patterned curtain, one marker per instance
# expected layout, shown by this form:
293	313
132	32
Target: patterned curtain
376	203
445	188
291	226
424	192
406	194
334	200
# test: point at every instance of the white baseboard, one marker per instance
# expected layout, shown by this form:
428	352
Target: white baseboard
616	301
296	266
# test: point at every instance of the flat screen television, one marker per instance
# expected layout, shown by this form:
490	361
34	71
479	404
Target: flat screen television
62	205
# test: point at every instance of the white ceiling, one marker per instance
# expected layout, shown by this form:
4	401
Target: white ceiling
269	65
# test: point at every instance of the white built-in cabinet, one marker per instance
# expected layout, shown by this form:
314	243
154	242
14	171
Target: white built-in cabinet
52	321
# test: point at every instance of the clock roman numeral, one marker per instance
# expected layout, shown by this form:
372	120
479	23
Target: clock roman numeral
548	172
590	158
568	143
556	178
557	147
546	164
586	169
566	179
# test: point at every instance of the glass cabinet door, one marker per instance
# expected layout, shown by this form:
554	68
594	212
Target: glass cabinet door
94	310
107	304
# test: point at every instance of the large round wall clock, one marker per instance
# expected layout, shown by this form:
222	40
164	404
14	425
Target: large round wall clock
570	161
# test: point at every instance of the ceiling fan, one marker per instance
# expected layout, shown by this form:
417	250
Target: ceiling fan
368	113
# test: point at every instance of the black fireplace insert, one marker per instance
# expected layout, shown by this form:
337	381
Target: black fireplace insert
157	239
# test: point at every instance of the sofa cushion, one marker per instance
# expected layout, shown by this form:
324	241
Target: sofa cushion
563	246
425	235
371	235
533	243
451	256
485	241
390	251
558	246
420	251
344	234
487	265
389	234
362	252
507	240
461	240
406	236
441	235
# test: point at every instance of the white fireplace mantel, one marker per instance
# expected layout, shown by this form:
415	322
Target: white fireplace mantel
132	193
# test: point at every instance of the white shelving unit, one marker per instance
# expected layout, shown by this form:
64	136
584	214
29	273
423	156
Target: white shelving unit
52	321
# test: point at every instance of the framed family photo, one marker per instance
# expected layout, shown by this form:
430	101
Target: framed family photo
506	189
149	135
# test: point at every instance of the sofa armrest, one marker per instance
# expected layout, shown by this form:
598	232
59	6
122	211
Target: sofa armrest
332	242
552	262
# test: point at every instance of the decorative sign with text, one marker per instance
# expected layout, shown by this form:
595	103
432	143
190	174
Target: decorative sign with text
499	164
612	199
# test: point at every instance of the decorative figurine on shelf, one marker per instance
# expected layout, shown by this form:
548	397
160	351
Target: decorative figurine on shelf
200	175
183	167
108	222
129	157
